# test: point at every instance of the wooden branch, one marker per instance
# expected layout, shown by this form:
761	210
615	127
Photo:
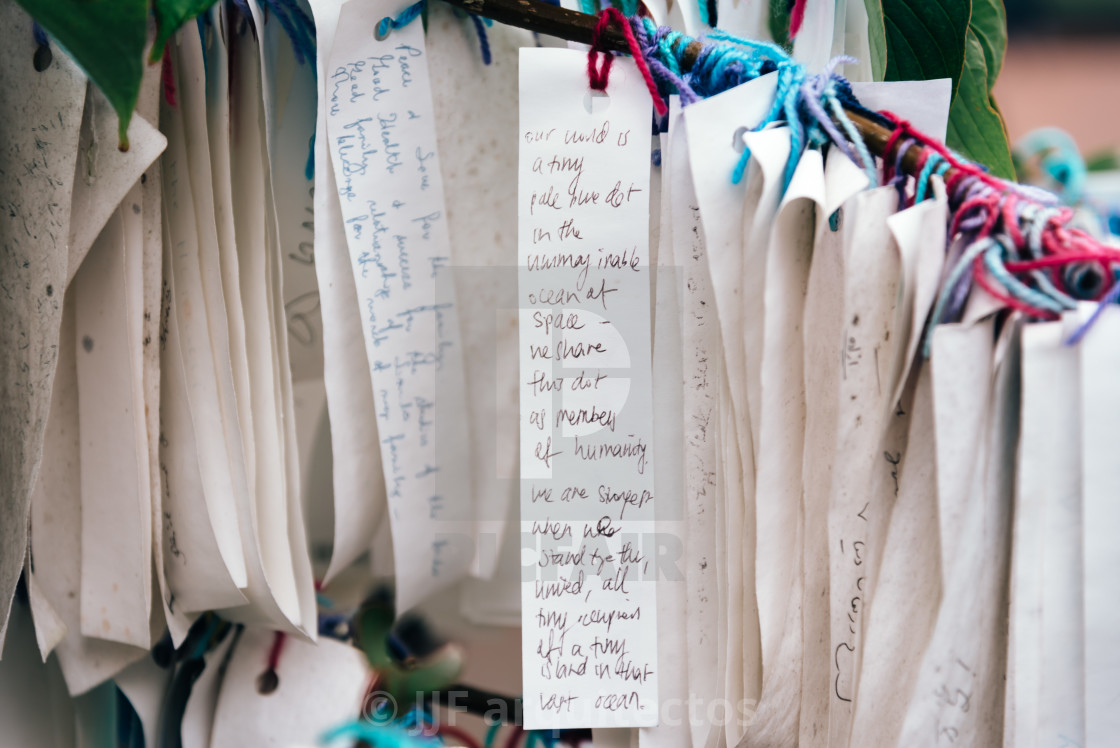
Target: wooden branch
544	18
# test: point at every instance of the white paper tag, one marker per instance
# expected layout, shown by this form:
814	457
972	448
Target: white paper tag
359	486
673	610
116	508
1100	402
56	530
40	115
902	615
318	687
589	611
381	128
1046	656
857	514
280	588
702	359
958	694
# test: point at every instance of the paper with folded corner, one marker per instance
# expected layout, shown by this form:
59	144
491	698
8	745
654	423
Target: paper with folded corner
40	115
56	531
779	560
587	472
703	361
712	127
319	687
959	692
104	174
1100	404
919	235
822	331
381	130
857	511
359	486
50	629
116	576
744	302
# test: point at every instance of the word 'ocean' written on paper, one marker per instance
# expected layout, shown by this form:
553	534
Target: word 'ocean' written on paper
589	553
380	125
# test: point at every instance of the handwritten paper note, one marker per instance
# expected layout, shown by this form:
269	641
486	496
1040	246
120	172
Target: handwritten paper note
381	129
359	488
588	599
40	115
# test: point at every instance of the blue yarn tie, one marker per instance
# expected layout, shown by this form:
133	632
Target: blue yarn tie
407	16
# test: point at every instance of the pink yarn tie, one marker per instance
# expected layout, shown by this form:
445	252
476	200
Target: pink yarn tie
599	76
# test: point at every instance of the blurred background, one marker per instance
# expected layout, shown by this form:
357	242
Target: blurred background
1063	70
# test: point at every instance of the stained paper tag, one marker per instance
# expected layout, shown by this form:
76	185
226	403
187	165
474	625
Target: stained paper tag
40	115
703	362
589	611
381	128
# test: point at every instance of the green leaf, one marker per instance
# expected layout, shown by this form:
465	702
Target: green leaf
876	38
1105	160
106	38
778	20
926	39
170	15
975	124
989	23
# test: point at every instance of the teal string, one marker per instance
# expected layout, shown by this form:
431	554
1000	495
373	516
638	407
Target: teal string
932	161
865	157
1037	216
378	736
703	6
491	733
628	7
993	260
590	7
407	16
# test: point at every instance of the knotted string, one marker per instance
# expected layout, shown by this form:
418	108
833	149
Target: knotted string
407	16
598	78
